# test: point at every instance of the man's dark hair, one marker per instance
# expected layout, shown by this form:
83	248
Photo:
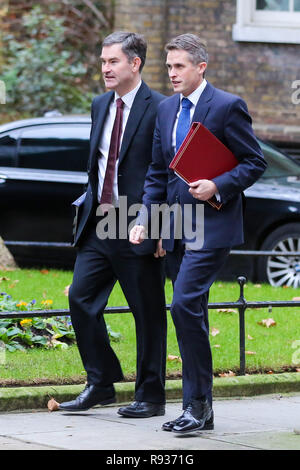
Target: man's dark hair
133	45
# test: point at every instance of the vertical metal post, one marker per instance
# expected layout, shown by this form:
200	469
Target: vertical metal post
242	281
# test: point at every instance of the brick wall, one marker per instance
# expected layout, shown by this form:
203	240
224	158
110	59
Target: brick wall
260	73
147	17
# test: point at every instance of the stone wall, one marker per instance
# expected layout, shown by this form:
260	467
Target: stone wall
260	73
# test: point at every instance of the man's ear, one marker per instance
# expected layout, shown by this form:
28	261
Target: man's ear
202	67
136	63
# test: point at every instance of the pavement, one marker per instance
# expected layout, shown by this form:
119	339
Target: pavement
257	423
259	412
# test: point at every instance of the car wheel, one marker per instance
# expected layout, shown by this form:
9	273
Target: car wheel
281	270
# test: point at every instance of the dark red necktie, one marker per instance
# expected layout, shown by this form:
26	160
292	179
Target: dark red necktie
107	190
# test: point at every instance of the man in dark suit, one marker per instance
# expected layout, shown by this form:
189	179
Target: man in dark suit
194	267
123	122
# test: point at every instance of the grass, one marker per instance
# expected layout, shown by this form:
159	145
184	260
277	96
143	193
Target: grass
267	349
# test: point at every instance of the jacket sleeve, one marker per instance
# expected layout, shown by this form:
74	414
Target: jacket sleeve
242	142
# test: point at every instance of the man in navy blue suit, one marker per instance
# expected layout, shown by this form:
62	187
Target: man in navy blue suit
123	121
194	267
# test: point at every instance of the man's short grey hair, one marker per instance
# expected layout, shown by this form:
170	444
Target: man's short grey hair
191	44
133	45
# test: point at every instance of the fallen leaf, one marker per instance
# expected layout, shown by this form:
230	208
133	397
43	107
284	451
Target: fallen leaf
227	374
44	271
11	286
216	346
257	285
174	358
267	322
215	332
52	405
66	291
250	353
4	279
226	310
270	372
250	337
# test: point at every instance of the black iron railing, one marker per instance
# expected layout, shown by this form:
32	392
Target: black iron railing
241	305
10	243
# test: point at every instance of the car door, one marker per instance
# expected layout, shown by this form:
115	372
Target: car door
50	173
8	160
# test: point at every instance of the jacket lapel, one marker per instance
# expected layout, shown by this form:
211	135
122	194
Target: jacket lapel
203	104
139	106
173	110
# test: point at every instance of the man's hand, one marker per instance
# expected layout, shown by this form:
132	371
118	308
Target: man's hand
160	252
137	234
203	189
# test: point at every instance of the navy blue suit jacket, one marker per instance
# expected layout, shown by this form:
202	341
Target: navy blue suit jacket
134	156
227	117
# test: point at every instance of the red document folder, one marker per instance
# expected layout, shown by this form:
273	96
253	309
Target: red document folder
202	156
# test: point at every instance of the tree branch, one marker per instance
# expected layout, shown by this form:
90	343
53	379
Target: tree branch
97	12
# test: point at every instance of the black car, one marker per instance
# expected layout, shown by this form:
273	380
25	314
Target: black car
43	169
271	223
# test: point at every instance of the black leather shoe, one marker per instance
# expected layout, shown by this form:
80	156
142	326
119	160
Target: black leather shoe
194	417
208	426
92	395
142	409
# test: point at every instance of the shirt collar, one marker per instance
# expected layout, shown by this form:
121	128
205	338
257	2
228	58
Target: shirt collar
194	97
129	97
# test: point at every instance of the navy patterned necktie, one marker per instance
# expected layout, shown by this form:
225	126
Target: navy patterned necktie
107	190
184	122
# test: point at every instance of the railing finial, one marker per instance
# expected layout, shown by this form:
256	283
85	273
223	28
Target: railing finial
242	280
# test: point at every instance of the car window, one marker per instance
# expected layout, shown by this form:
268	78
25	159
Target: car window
279	165
8	148
55	147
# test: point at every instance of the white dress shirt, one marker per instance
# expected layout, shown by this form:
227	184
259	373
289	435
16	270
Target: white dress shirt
106	136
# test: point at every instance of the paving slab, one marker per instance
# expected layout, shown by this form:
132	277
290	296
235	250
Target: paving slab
268	422
11	443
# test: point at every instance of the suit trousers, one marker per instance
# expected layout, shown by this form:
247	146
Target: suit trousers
99	264
193	273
